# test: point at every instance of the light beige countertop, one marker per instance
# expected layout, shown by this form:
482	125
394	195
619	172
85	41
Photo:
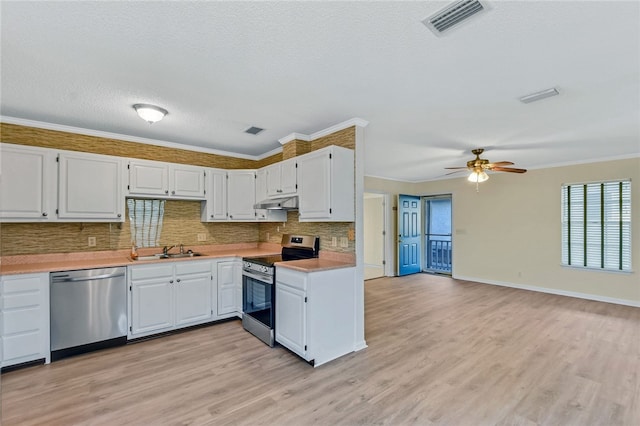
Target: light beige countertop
315	264
25	264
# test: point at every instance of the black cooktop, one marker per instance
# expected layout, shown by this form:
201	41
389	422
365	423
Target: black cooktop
264	260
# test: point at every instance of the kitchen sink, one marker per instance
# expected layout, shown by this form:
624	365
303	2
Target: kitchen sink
169	256
179	255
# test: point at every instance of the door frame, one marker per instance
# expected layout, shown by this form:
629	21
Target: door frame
424	198
389	232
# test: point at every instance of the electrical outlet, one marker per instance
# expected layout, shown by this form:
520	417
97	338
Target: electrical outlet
202	236
344	242
334	242
92	241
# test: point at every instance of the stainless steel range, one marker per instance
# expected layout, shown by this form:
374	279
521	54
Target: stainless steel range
258	284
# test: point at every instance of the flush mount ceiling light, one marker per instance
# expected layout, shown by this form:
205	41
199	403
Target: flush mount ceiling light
539	95
150	113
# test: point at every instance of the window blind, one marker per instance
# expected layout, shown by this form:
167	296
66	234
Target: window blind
596	225
145	218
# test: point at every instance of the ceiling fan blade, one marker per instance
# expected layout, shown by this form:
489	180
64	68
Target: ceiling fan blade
508	169
499	164
452	168
457	171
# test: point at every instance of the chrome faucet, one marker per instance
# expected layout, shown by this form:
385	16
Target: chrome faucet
165	250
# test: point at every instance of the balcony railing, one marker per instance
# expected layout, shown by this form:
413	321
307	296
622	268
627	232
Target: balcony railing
439	254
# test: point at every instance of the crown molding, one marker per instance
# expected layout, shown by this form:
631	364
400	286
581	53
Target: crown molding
329	130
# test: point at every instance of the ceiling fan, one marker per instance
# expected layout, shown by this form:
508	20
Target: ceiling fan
479	166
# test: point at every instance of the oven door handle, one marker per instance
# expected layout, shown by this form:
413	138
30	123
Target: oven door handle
261	278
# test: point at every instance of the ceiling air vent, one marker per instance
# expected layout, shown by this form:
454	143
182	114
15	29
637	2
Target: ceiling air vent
453	15
253	130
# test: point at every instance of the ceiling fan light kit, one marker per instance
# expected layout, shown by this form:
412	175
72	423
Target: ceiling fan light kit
150	113
477	177
479	167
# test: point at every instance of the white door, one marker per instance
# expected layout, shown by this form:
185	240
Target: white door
237	279
148	178
193	298
28	183
187	181
314	185
90	187
288	177
241	194
373	214
216	195
261	192
226	288
152	305
291	318
273	180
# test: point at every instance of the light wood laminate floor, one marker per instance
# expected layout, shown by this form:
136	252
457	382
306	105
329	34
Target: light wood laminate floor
441	352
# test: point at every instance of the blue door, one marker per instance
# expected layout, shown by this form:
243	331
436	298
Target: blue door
409	217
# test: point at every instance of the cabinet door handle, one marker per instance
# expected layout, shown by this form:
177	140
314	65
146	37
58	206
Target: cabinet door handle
119	215
211	216
166	191
178	280
170	281
44	214
173	192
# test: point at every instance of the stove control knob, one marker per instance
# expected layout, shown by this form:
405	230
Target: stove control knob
247	264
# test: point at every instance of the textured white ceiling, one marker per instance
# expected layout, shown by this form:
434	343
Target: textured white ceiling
220	67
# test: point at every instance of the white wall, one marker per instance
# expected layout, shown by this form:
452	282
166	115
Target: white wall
509	232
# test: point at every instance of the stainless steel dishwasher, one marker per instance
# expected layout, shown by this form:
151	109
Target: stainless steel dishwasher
88	310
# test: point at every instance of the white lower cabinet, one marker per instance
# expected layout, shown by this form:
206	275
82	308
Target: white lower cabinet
167	296
315	313
24	318
228	274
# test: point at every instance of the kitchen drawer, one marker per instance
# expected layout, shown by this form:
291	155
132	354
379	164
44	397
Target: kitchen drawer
21	283
21	345
291	278
193	267
21	320
151	271
22	299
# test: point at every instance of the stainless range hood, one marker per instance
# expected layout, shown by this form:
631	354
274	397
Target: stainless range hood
285	203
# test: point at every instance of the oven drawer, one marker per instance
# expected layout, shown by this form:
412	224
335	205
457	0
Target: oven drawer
292	278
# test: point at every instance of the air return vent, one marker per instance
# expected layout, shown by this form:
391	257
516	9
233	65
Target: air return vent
453	15
253	130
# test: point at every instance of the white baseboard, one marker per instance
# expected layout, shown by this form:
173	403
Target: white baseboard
587	296
360	346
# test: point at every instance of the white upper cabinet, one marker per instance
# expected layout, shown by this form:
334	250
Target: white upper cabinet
187	181
282	178
266	215
90	187
241	194
28	183
215	207
166	180
326	185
